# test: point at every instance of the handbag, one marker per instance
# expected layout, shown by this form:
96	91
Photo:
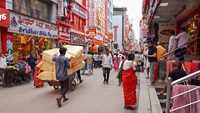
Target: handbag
119	74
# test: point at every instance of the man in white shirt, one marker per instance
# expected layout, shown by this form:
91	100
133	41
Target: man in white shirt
107	63
172	42
183	40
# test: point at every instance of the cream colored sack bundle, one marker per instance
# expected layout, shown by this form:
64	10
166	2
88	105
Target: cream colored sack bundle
67	46
48	66
79	60
51	75
47	76
79	66
75	51
48	54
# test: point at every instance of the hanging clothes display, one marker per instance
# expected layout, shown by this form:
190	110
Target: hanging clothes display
187	66
169	67
162	70
185	99
157	70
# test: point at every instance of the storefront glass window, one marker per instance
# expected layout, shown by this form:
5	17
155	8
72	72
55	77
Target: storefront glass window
33	8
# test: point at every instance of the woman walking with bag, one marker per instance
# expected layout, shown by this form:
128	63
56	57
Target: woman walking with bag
129	81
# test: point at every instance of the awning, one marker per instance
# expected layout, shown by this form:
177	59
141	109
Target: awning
77	32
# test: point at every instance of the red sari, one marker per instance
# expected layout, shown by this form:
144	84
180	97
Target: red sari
116	62
129	81
37	81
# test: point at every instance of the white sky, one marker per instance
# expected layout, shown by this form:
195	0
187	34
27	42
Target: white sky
134	11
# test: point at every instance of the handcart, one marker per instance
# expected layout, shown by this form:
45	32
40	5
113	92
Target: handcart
56	84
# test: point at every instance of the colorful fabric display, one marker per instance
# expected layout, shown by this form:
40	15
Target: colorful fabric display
162	70
169	67
157	70
187	66
186	99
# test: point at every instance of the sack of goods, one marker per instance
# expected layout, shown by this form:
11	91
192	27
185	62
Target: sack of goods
74	54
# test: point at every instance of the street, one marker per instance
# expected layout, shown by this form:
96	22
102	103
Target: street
91	96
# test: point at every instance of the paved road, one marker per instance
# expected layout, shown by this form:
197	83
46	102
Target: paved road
91	96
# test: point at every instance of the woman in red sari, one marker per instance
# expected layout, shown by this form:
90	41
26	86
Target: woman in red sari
116	62
37	81
129	81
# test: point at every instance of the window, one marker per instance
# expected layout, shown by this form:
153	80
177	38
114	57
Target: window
33	8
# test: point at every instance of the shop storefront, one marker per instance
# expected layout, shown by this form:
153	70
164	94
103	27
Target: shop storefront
78	38
192	23
4	24
95	43
27	35
63	33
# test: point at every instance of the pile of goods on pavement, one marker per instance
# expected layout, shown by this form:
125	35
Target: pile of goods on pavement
19	72
74	54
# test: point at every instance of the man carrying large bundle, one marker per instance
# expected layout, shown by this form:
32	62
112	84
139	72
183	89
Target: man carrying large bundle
62	64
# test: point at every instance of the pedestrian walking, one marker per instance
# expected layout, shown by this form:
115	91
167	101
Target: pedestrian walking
62	64
89	63
152	58
32	61
129	81
79	76
37	82
96	59
182	44
107	66
116	62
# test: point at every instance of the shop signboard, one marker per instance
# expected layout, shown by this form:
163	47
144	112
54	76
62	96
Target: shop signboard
92	31
4	18
79	2
98	38
60	8
30	26
110	35
79	11
92	14
63	33
77	39
165	31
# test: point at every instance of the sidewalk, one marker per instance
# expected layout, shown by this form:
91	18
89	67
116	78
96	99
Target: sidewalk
148	100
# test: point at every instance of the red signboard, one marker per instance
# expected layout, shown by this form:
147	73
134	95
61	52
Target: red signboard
92	32
4	18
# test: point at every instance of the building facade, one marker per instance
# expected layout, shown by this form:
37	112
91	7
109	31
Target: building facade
119	17
99	21
160	18
32	27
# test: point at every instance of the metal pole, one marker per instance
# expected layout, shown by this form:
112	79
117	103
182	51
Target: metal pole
169	81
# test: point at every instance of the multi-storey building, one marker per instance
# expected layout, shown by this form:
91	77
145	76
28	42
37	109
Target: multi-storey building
98	21
119	27
110	15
